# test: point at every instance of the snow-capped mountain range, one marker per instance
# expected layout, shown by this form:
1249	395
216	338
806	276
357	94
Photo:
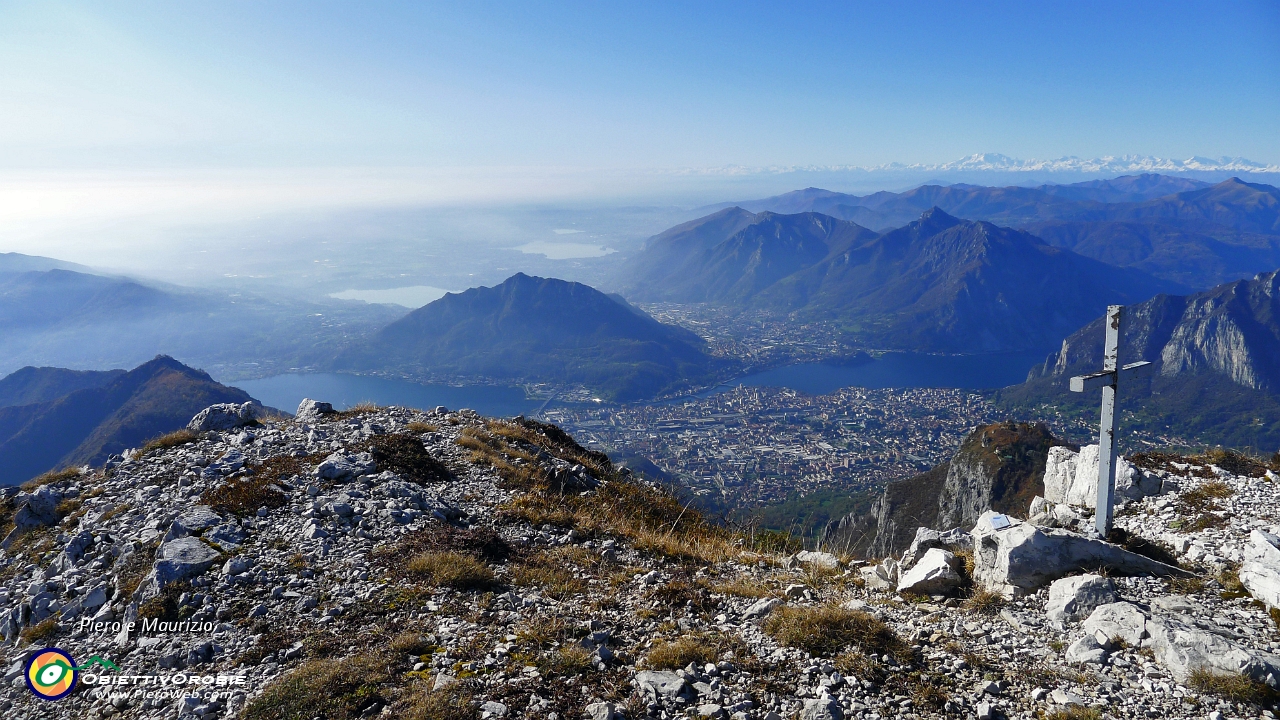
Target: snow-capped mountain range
996	162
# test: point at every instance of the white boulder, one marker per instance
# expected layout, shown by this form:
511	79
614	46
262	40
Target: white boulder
311	410
1118	620
1022	558
225	416
1072	477
934	574
1073	598
1260	572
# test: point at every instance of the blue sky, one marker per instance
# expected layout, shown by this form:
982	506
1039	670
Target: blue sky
630	85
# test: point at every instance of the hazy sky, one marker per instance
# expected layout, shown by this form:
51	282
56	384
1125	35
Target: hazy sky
283	84
137	109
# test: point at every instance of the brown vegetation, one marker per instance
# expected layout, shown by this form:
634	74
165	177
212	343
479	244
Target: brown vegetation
829	629
168	440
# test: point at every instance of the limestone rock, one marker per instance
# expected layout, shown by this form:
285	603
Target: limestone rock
225	416
761	608
1023	558
1086	650
662	686
927	539
311	410
182	558
1260	572
881	577
1118	620
935	574
1072	478
1073	598
343	465
823	708
35	509
824	560
1182	648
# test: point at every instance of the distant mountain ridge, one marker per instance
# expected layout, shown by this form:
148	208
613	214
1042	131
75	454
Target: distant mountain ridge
86	425
36	385
531	329
1175	228
937	284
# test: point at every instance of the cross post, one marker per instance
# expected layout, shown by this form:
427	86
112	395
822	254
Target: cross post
1109	380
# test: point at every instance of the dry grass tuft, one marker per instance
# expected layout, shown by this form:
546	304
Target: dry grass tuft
1186	586
168	440
1236	688
568	661
829	629
450	569
418	428
363	407
41	631
332	689
1200	506
985	602
554	580
50	478
451	703
697	648
412	642
1074	712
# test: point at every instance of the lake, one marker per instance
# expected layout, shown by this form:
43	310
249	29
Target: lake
343	391
892	370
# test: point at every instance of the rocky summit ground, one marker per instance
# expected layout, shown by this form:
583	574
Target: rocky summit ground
391	563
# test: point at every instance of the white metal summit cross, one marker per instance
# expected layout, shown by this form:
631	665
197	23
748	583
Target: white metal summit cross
1109	380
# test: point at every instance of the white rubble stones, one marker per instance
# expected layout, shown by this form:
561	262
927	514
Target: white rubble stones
1260	571
225	416
934	574
1072	599
1071	478
1022	558
343	465
311	410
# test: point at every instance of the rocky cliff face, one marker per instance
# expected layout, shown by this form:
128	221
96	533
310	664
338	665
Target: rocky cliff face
998	467
1231	330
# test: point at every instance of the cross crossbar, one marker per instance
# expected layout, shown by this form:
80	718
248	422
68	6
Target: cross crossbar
1093	381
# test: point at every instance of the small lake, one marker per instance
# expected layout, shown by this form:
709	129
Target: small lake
892	370
413	296
898	370
343	391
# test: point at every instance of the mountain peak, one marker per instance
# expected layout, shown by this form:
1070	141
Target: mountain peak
935	220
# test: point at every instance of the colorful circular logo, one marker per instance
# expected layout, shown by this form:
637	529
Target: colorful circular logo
51	674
